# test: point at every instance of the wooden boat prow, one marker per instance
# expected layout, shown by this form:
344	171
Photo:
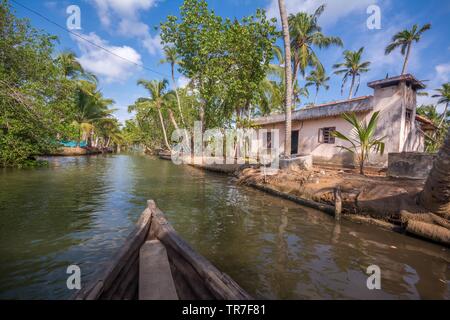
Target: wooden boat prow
195	278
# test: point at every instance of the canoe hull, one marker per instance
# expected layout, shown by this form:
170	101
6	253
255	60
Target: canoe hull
194	276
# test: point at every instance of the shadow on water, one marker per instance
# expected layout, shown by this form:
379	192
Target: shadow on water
79	211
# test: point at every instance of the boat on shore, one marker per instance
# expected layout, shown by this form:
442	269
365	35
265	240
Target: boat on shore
188	275
165	155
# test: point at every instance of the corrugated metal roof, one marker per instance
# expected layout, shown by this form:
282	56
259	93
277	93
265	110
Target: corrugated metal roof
333	109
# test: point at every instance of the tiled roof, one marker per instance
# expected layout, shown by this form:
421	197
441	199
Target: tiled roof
332	109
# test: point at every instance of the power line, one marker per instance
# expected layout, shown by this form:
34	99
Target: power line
87	40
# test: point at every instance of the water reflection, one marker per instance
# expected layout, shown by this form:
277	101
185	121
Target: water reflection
79	210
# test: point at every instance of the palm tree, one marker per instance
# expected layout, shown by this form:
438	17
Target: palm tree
90	107
158	100
436	193
404	39
306	33
288	77
69	64
434	141
72	69
318	78
272	89
362	138
352	67
171	57
444	98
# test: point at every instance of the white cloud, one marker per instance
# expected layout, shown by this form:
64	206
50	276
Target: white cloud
443	72
127	15
335	9
152	44
183	81
104	64
133	28
440	76
128	9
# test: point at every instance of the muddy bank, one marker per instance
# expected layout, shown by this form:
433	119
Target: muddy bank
381	201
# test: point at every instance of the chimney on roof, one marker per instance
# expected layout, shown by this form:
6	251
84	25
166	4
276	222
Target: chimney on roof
407	79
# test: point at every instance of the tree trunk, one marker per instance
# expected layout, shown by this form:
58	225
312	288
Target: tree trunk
288	76
178	97
406	59
317	93
172	119
435	196
296	68
79	137
164	129
444	117
361	168
352	86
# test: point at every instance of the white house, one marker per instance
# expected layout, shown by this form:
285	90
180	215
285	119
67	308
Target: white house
394	97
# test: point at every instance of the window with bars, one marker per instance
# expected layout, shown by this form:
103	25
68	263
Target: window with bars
408	115
269	140
325	135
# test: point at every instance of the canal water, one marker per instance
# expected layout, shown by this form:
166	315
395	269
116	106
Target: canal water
79	210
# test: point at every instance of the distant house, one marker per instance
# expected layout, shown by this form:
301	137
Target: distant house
394	97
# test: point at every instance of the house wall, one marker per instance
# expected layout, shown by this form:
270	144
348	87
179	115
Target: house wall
400	135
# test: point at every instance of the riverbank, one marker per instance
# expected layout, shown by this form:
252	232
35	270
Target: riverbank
77	151
376	200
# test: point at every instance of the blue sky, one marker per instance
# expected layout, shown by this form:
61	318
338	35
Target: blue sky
128	28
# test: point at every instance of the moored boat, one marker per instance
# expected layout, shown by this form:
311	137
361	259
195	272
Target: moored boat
188	275
165	155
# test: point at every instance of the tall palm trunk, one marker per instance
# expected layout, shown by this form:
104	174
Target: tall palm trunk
177	95
317	93
405	64
288	76
164	129
352	86
436	193
444	117
172	119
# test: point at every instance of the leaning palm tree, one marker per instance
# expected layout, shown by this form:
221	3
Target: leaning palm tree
404	40
288	77
362	141
71	67
318	78
444	98
69	64
305	34
352	67
157	100
436	193
171	57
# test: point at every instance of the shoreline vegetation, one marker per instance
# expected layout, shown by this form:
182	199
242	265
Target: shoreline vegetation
47	97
